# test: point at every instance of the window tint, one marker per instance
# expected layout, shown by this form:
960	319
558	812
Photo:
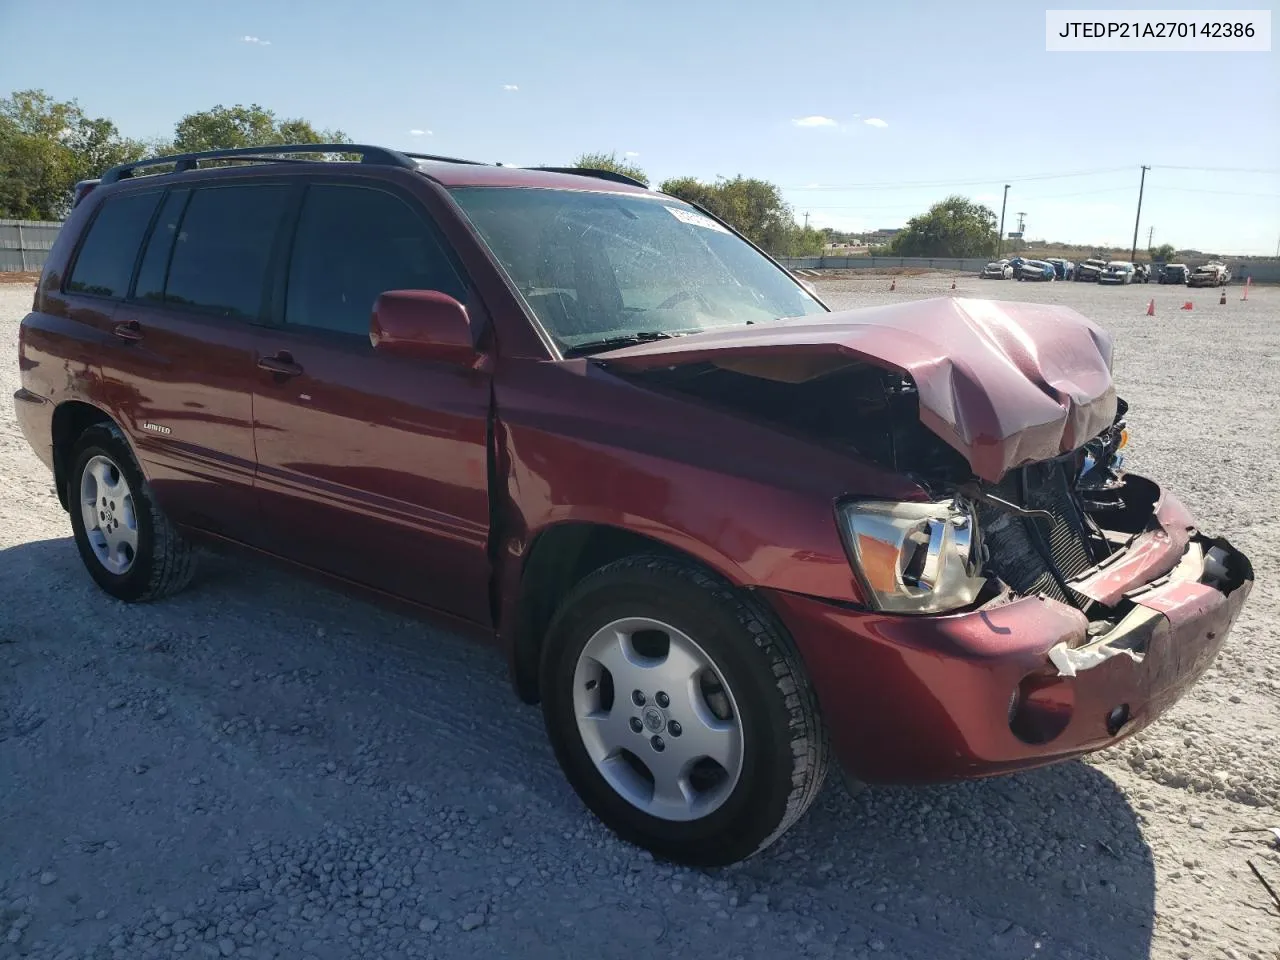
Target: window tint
352	244
104	265
155	261
223	248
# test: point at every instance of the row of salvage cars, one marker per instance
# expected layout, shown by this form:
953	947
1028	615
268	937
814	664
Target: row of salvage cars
1212	274
1055	268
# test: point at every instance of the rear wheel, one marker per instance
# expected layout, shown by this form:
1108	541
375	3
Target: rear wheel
680	712
127	543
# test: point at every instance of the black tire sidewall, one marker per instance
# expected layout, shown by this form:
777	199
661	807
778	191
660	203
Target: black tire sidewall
100	441
758	803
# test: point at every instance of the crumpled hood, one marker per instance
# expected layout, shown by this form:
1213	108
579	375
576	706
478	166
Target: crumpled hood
1005	384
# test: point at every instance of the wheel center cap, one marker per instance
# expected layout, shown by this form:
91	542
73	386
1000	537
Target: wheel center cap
654	719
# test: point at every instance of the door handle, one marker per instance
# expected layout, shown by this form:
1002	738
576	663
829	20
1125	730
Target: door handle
129	331
282	364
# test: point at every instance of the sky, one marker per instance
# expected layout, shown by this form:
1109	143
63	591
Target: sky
865	114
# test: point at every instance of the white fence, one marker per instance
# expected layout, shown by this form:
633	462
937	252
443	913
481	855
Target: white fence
1266	270
25	244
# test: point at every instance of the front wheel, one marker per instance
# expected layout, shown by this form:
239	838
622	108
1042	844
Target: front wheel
129	546
680	712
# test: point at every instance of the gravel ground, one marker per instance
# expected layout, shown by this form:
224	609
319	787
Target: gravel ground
261	767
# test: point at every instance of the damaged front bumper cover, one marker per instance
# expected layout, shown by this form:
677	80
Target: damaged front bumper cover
1024	680
1203	578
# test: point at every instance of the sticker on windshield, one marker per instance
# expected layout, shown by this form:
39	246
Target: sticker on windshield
695	219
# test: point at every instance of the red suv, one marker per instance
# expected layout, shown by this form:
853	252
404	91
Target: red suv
715	526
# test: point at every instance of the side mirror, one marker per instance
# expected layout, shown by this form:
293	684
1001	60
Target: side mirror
424	325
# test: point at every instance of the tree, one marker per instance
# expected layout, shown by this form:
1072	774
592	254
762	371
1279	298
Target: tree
224	128
46	145
754	208
611	161
956	227
1165	252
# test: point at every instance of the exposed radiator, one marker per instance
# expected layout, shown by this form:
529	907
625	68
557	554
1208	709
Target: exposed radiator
1013	543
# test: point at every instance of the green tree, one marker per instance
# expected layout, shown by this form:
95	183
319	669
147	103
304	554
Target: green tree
46	145
956	227
225	128
1165	252
611	161
754	208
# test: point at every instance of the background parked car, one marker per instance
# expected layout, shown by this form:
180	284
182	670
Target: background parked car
1090	269
1036	270
1209	275
1117	271
997	270
1063	269
1141	273
1174	273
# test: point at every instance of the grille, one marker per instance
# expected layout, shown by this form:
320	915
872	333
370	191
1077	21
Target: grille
1014	543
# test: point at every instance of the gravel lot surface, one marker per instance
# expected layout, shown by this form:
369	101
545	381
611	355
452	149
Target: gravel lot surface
261	767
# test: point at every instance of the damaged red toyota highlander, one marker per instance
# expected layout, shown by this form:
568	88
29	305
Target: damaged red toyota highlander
718	529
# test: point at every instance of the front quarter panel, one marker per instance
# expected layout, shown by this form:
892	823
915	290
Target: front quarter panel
577	444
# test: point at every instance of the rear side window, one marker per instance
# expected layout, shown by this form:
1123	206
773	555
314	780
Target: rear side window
222	251
353	243
155	261
104	265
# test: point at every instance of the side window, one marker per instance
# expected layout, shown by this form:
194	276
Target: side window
155	261
352	244
104	264
222	250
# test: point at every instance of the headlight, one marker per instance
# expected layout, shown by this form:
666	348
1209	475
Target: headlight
914	557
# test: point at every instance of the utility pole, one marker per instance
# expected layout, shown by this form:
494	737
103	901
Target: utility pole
1136	220
806	219
1151	232
1000	239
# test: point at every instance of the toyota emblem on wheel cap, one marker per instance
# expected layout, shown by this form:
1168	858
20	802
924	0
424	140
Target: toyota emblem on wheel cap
653	719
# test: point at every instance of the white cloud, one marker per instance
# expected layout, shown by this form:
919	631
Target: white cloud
876	122
419	133
632	153
814	122
510	87
256	41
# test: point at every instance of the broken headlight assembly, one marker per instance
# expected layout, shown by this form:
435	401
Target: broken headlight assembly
914	557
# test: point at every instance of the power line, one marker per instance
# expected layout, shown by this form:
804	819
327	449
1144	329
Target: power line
1164	166
911	184
1222	193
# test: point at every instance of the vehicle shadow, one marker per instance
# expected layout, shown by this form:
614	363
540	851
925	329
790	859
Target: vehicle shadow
1049	863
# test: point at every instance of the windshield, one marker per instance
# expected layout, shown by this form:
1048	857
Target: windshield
598	267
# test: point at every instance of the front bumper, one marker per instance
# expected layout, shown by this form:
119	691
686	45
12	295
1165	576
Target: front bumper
928	699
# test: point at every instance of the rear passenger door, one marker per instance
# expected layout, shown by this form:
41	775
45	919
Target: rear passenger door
369	466
181	373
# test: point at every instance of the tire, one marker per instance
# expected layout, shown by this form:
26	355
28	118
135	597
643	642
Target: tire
160	561
782	751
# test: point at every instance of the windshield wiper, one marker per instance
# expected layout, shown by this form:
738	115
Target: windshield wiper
613	343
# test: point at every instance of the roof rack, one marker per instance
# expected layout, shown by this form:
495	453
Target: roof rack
432	156
183	162
593	172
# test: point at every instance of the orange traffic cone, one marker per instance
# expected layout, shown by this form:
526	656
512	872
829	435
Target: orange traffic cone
1247	281
893	284
1223	298
953	283
1187	305
1151	307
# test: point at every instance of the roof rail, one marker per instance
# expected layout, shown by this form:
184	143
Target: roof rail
183	162
593	172
432	156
